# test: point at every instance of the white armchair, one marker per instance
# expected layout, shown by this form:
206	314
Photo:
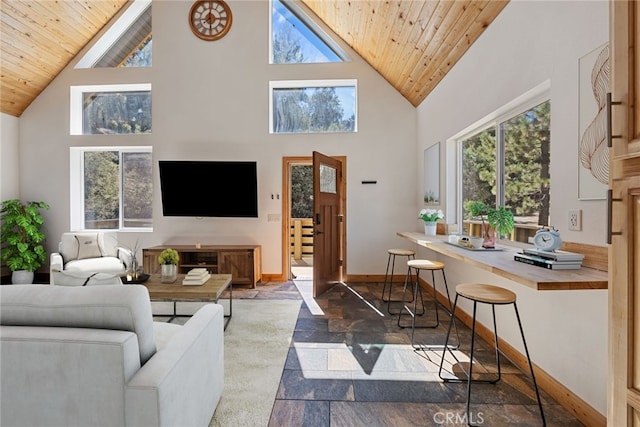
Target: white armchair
83	254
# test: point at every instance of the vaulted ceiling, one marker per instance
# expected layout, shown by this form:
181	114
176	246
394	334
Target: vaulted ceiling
412	44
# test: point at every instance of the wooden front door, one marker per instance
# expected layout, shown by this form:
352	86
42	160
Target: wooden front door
623	407
327	222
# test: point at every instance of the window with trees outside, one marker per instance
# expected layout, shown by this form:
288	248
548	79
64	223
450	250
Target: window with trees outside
127	43
111	188
304	106
110	109
507	163
296	39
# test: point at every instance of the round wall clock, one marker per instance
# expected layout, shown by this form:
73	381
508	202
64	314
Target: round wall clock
210	19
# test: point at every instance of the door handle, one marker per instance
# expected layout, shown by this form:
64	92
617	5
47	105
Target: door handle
610	136
610	200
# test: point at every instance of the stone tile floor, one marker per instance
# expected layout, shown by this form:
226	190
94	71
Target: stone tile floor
353	366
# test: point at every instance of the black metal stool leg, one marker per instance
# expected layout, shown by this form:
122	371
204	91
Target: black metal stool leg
389	300
473	336
533	377
446	340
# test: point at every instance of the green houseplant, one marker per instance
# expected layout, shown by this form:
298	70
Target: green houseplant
168	260
499	220
22	238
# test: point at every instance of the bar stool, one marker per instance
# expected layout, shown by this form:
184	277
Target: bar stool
417	265
391	260
493	295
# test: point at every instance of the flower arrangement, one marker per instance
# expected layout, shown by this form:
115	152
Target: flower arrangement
430	215
168	256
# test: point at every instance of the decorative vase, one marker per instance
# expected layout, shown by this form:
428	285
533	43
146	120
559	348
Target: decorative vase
430	228
168	273
22	277
489	236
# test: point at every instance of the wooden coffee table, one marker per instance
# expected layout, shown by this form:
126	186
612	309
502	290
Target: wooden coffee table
175	292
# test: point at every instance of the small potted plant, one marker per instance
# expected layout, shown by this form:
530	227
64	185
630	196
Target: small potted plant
168	260
499	220
22	238
430	218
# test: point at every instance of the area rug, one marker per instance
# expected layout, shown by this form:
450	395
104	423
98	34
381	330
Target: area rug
256	344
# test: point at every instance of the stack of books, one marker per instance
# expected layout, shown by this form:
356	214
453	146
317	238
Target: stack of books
553	260
196	276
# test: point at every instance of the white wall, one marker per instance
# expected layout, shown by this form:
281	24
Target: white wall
210	101
9	180
530	42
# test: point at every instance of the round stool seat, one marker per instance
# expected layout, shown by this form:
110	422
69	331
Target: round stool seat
402	252
425	264
489	294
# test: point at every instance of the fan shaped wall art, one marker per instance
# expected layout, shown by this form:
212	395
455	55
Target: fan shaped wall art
593	154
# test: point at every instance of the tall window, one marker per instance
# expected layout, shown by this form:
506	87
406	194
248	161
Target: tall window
313	106
110	109
111	188
296	39
506	162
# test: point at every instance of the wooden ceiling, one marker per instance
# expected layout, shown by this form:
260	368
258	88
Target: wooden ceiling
412	44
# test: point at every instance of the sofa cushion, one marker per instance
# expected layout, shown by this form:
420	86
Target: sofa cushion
107	243
124	308
105	264
70	278
88	246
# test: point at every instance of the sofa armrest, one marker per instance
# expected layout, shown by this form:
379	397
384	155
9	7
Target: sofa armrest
182	383
126	255
56	263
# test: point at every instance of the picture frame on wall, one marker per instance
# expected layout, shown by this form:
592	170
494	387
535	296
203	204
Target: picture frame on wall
593	158
432	175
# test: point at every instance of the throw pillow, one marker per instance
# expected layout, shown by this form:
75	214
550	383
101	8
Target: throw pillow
88	246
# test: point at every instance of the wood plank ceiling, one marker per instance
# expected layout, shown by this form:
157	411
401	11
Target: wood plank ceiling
412	44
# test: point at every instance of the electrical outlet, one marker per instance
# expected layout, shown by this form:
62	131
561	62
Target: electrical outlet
575	219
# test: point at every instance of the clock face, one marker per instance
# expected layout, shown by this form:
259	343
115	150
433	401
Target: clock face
210	19
547	240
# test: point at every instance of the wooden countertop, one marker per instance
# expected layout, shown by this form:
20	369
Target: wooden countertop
502	264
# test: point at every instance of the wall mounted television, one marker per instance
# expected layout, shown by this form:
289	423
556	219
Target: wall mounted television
209	188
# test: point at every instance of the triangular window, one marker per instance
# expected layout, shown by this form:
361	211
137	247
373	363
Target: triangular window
127	43
296	39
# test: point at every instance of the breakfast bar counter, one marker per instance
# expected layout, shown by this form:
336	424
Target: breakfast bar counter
501	263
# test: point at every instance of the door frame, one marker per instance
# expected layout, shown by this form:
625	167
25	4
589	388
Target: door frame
287	162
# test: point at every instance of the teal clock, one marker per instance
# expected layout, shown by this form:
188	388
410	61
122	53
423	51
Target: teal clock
547	239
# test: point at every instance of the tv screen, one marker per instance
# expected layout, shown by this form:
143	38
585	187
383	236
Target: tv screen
209	188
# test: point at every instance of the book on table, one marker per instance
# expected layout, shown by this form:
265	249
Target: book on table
196	276
556	255
547	263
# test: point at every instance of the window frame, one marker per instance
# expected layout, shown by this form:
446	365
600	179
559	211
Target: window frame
76	103
76	187
313	27
120	26
304	84
521	104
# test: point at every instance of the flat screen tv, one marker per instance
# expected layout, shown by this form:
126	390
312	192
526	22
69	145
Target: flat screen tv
209	188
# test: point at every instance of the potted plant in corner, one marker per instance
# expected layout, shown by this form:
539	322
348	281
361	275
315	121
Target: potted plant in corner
168	260
499	220
22	238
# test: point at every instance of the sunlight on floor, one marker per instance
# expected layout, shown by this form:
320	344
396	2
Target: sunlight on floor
305	287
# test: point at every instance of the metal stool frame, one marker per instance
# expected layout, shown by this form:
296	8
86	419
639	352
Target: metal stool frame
392	261
418	289
469	379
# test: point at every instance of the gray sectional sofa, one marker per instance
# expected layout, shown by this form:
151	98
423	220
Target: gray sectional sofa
93	356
